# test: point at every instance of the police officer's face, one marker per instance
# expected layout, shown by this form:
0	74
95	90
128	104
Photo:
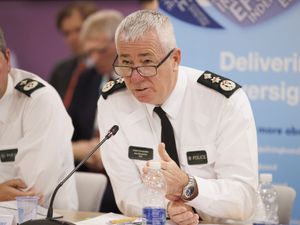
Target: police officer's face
148	51
4	70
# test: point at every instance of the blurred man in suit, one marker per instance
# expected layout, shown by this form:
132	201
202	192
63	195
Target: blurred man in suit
69	21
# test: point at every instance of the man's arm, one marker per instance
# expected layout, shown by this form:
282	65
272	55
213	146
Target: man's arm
45	150
232	193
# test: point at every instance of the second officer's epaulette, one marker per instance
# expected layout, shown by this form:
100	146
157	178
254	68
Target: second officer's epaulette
112	86
221	84
28	86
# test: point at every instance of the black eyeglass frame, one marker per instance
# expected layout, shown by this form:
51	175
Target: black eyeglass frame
137	67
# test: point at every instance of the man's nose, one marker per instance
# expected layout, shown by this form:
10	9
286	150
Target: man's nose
135	76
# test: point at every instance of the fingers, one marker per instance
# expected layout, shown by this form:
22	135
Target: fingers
176	207
31	192
172	197
41	199
146	167
185	218
191	219
163	153
16	183
182	214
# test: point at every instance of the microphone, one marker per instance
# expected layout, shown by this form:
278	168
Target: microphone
49	219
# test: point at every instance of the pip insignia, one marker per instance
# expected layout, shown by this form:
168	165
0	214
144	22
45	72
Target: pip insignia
28	86
112	86
221	84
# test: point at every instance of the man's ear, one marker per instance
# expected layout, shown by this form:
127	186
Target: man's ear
176	58
7	57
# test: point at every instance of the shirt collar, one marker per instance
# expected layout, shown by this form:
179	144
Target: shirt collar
173	103
6	100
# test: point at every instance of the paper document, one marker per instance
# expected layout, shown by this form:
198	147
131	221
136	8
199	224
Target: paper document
114	219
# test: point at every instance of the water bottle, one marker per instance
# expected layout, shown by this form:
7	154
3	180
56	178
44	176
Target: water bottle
154	210
268	197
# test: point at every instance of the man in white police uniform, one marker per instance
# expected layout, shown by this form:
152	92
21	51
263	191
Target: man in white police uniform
35	137
214	129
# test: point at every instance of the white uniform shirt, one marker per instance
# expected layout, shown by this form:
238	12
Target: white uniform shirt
202	119
40	129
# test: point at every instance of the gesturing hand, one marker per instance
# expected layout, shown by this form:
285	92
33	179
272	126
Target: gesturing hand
176	179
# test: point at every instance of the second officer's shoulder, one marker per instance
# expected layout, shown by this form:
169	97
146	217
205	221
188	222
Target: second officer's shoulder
29	84
218	83
112	87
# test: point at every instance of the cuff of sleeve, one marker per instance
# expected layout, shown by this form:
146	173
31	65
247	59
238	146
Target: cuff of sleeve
206	194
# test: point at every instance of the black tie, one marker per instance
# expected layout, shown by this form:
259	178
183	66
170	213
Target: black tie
167	134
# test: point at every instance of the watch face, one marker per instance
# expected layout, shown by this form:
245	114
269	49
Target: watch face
189	191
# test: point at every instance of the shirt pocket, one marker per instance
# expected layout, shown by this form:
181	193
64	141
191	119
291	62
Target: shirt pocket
194	162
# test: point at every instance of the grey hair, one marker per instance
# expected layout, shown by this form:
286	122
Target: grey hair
104	21
2	41
135	25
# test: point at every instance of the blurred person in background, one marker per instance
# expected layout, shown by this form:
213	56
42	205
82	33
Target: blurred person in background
35	137
149	4
69	22
98	47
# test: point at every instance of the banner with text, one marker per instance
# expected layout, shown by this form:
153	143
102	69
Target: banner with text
256	43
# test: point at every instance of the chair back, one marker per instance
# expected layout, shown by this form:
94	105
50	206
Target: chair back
286	196
90	188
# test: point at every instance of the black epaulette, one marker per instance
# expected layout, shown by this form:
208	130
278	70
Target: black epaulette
221	84
28	86
112	86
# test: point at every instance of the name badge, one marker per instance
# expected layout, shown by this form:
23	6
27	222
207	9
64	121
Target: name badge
8	155
196	157
140	153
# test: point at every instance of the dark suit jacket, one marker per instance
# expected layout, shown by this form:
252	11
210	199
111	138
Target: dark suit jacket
83	106
61	75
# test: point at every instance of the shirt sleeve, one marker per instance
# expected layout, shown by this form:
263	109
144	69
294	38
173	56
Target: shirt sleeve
232	195
45	150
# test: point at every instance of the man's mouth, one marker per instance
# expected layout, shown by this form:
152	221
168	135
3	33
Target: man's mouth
141	89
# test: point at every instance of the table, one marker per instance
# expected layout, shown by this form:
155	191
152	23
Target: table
76	216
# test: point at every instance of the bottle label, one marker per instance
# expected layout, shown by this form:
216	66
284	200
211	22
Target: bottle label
154	216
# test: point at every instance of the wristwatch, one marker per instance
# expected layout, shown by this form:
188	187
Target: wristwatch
190	191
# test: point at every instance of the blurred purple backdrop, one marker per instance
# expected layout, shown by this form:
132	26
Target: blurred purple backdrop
30	31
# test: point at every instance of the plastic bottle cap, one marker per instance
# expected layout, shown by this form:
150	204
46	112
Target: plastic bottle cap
155	165
265	177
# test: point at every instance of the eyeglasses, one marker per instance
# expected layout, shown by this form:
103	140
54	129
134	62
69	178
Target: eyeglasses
145	71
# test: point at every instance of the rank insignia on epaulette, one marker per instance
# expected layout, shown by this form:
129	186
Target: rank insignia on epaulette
219	83
28	86
112	86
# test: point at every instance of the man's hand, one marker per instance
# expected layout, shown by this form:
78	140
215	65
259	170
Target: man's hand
13	188
175	178
182	214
